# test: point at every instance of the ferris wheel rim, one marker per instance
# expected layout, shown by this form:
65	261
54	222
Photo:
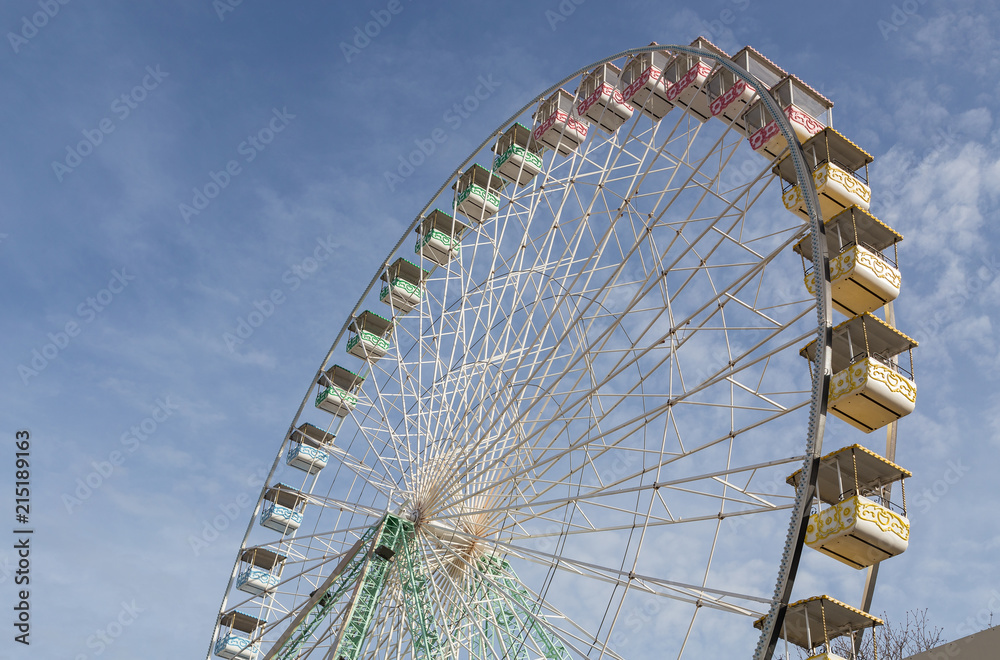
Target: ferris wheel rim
820	390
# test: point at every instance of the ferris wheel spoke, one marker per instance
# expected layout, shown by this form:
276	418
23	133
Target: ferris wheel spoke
456	606
577	641
515	394
602	365
387	628
380	480
537	508
645	415
542	461
753	503
364	471
684	592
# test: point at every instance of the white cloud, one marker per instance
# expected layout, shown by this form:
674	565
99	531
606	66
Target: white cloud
964	34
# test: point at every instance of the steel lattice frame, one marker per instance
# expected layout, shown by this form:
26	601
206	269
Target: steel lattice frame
562	305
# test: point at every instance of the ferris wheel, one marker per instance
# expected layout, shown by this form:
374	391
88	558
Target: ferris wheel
561	420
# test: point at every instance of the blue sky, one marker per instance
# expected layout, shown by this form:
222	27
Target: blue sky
130	286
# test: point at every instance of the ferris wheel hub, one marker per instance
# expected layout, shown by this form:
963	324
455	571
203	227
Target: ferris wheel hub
573	374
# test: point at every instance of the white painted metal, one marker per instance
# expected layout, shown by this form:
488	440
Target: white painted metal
602	385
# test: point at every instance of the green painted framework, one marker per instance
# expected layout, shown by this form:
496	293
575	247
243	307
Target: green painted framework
503	605
498	592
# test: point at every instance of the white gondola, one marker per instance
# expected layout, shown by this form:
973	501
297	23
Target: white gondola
477	193
282	510
729	96
600	100
814	622
642	83
337	390
236	630
686	76
556	124
869	388
839	170
260	571
439	237
861	526
518	155
370	336
862	277
309	449
807	111
404	285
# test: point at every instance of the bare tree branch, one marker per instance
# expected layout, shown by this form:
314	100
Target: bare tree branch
894	641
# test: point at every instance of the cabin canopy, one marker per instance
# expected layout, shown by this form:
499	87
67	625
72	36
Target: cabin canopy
478	175
862	334
686	60
852	226
639	62
759	66
262	558
343	378
604	73
827	146
791	90
517	135
313	436
371	322
804	619
284	495
836	479
405	270
241	621
560	100
440	221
